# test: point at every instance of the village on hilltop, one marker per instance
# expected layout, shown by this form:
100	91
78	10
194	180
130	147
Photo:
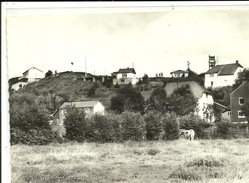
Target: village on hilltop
216	76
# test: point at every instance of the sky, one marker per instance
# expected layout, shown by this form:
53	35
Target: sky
153	40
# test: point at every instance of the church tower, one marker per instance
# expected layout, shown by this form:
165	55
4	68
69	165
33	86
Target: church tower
212	61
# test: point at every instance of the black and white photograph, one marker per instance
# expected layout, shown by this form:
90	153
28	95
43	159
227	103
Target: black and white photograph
150	92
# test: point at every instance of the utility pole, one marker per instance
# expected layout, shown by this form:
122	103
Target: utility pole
85	66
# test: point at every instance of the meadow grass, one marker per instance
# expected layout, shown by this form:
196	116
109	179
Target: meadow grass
208	161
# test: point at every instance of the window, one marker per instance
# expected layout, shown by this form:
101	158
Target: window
122	80
241	100
87	110
211	75
124	75
212	83
240	114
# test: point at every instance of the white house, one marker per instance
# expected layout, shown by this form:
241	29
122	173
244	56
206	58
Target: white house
205	103
222	75
125	76
33	74
179	74
90	108
19	84
30	75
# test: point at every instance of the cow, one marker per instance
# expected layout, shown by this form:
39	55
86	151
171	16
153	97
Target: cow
187	134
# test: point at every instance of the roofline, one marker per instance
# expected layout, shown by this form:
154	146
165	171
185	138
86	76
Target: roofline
204	90
34	68
238	87
220	105
78	102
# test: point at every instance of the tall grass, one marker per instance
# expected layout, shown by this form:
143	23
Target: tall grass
151	161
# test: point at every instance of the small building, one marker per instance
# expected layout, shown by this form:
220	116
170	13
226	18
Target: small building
20	83
179	74
237	98
33	74
223	112
90	108
222	75
30	75
204	97
125	76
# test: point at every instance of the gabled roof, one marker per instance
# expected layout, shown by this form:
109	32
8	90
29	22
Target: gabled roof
196	89
244	84
82	104
179	71
127	70
32	68
226	69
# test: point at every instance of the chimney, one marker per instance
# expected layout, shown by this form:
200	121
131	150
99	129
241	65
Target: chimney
237	61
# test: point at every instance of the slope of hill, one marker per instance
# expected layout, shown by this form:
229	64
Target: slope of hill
53	91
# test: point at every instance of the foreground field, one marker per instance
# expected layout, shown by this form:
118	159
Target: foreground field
220	161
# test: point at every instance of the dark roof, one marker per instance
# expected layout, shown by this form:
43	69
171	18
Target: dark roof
226	69
127	70
244	84
179	71
82	104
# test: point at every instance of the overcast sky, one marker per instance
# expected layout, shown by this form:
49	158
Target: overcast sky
151	41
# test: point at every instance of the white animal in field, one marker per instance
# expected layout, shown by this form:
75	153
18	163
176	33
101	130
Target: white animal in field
187	134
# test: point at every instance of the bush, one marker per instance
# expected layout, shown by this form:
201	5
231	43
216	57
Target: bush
171	126
132	126
32	137
194	122
222	130
103	129
153	125
75	124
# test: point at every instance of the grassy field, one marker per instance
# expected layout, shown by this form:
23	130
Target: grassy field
220	161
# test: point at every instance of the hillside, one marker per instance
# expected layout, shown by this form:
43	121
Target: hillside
67	86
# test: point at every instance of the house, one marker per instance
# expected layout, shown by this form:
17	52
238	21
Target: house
237	98
223	111
90	108
125	76
20	83
204	97
222	75
179	74
33	74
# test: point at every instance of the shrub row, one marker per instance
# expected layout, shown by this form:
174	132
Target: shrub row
121	127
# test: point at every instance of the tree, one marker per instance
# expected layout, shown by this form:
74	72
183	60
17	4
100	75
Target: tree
181	101
92	91
133	126
157	100
145	79
49	73
171	126
195	76
153	125
75	124
241	77
127	98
